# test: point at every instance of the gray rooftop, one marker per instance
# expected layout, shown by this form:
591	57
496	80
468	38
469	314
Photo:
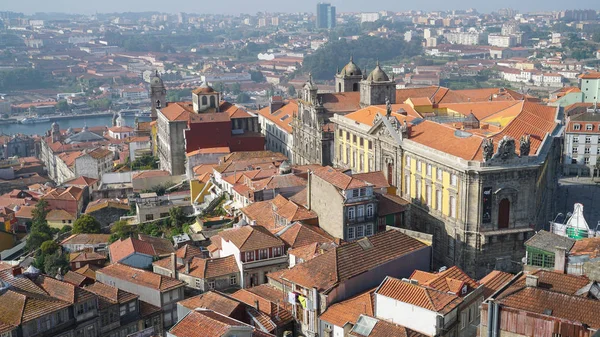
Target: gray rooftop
549	241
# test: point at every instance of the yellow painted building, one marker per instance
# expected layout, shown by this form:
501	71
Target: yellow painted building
199	188
354	151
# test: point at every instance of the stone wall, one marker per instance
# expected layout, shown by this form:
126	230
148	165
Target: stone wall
326	201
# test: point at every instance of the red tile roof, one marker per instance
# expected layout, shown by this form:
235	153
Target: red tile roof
203	323
83	239
250	238
213	300
339	179
348	311
347	261
141	277
162	246
563	306
110	293
424	297
121	249
211	268
493	281
299	235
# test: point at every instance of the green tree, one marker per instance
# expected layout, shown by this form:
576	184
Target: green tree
176	217
49	247
291	91
121	230
86	224
62	105
55	263
40	231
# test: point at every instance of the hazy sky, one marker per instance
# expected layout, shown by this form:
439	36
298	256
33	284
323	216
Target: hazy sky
253	6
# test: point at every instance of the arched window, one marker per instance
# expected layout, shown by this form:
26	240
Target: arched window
158	104
213	103
204	100
339	87
504	213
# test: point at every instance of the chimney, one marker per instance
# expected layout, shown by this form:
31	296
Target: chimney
560	259
531	281
187	266
275	104
173	265
308	190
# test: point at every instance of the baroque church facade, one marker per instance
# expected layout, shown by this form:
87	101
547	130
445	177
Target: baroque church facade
312	127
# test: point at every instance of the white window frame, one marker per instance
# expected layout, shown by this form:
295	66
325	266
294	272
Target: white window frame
211	285
576	127
439	195
360	231
370	210
351	213
452	202
439	174
454	180
351	233
360	211
428	170
368	229
232	280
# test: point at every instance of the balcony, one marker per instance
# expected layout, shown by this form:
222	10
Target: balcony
359	219
265	262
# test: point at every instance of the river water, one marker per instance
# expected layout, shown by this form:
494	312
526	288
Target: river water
65	123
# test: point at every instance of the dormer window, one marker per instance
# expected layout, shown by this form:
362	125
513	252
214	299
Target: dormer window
576	127
589	127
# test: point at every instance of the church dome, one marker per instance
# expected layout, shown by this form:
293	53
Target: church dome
351	69
378	75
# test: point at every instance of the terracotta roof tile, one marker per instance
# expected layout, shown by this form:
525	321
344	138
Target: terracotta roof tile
202	323
59	215
339	179
424	297
299	235
176	112
348	311
151	174
63	291
277	311
214	301
588	246
121	249
81	181
75	278
249	238
346	261
283	117
85	256
211	268
141	277
82	239
493	281
563	306
112	294
162	246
